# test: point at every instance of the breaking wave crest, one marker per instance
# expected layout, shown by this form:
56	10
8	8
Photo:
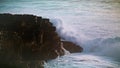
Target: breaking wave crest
102	46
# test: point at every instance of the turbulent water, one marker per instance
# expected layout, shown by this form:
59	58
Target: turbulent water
82	61
93	24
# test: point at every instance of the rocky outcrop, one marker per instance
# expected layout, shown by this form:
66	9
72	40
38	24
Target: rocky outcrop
71	47
28	40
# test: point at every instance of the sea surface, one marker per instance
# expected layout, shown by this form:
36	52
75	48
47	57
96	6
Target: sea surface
92	24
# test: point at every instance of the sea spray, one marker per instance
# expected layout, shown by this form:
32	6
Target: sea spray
101	46
66	32
85	22
82	60
66	51
108	46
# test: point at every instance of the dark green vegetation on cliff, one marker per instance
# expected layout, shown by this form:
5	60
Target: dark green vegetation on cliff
27	40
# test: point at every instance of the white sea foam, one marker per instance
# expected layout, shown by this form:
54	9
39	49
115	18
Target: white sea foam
93	24
103	45
82	61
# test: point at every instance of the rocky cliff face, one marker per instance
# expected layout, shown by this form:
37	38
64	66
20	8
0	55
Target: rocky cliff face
28	40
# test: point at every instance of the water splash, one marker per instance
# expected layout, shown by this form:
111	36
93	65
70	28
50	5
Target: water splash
82	61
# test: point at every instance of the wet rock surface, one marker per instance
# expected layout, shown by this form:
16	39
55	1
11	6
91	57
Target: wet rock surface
71	47
27	41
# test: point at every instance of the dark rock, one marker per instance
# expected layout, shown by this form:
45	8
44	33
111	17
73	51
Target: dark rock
28	40
71	47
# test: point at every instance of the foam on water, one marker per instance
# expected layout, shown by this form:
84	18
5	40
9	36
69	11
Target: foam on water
93	24
82	61
100	40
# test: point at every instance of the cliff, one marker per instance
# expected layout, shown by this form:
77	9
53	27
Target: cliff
28	40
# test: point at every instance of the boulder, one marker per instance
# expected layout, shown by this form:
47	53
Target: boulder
71	47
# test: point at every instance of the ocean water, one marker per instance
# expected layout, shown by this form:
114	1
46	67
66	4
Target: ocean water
78	60
92	24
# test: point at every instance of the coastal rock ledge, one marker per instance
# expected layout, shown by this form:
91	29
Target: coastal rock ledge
27	41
